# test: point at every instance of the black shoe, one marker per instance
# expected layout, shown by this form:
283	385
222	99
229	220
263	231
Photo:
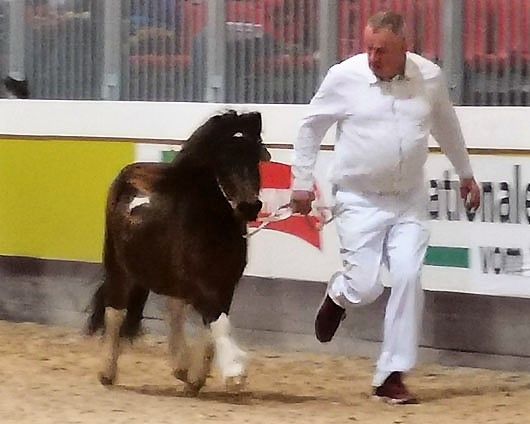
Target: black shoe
328	319
393	391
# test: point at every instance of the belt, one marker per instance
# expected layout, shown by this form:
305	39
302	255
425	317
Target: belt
335	188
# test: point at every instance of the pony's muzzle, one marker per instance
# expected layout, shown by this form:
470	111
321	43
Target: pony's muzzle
249	211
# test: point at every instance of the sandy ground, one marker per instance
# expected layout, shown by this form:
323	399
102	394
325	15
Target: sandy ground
48	375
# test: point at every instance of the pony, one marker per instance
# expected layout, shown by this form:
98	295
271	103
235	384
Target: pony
179	230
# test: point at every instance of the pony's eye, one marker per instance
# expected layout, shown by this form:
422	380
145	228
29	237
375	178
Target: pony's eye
238	134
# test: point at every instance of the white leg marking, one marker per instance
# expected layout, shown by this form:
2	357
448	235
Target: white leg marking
113	320
178	346
230	360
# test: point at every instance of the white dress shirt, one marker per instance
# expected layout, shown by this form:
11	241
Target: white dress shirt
382	127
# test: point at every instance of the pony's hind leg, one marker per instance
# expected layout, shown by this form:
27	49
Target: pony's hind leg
230	360
110	318
115	298
111	351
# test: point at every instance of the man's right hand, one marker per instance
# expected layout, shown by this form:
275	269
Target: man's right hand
301	201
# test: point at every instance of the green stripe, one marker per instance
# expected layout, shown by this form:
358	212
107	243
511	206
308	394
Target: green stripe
168	155
456	257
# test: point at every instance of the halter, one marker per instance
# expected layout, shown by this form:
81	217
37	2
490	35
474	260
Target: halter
223	192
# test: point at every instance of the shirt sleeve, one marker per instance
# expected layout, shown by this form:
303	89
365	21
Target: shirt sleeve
325	108
447	131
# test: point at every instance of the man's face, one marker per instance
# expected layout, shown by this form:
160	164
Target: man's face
386	52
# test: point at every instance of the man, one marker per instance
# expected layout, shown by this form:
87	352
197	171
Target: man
385	103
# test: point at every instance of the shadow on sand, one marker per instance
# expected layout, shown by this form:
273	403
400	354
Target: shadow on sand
430	395
245	397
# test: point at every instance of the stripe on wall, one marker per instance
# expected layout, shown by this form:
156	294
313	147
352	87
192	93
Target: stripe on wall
53	196
456	257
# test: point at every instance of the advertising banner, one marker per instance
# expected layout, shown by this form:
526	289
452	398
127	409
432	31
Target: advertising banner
487	252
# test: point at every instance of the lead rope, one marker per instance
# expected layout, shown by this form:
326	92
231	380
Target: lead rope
285	212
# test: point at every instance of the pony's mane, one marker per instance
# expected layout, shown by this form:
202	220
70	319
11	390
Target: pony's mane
214	127
204	143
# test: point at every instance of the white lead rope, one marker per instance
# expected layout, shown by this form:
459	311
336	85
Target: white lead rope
285	212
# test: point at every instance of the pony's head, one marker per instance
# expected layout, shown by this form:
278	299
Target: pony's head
232	147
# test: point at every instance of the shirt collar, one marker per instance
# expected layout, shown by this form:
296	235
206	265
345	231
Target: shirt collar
410	71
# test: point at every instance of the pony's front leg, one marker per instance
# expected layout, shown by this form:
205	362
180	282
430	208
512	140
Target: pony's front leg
202	354
178	346
113	321
189	364
230	360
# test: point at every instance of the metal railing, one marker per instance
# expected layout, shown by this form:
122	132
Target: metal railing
62	49
253	51
497	52
4	34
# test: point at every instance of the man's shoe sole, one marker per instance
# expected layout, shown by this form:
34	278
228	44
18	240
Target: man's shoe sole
394	401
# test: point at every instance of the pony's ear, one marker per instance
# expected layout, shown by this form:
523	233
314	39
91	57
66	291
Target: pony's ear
251	123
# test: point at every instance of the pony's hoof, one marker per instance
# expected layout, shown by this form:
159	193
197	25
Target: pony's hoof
236	384
181	374
105	379
193	389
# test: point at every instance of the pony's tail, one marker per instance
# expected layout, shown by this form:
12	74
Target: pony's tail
132	325
96	319
135	302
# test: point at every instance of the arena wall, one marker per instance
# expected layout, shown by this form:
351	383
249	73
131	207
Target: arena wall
57	160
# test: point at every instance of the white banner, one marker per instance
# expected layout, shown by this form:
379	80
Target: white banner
488	253
485	253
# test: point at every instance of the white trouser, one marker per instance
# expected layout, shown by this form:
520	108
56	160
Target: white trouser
379	229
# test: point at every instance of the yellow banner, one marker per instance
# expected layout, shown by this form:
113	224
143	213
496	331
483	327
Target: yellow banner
53	195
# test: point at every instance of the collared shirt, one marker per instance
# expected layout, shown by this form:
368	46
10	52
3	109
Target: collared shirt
382	127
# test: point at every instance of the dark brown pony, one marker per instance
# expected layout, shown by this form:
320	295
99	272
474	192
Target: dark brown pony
179	230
